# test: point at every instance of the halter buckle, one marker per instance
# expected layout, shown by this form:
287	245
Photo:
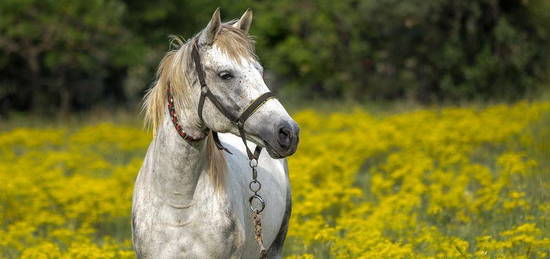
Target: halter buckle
239	124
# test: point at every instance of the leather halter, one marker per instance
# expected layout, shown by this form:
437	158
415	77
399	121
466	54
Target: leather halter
238	121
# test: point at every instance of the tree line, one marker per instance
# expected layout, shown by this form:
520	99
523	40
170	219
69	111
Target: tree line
66	55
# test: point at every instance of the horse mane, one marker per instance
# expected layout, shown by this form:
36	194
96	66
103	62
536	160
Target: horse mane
175	69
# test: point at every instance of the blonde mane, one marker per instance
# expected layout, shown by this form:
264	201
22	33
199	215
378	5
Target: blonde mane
174	70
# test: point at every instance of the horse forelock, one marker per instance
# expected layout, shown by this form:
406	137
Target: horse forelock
237	44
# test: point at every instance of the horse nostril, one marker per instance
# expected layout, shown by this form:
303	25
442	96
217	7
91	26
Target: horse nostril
285	135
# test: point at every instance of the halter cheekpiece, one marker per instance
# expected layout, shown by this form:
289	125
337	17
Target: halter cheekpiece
239	122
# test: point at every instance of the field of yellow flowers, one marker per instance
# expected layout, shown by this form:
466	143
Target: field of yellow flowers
432	183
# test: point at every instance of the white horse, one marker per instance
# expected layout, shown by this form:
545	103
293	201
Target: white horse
191	200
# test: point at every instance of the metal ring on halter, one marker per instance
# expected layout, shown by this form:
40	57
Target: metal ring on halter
259	198
251	186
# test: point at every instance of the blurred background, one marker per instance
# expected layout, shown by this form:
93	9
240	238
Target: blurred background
64	56
425	124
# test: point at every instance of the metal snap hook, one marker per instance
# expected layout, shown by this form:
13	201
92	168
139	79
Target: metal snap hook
259	198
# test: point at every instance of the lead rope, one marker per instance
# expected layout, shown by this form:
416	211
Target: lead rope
257	218
255	187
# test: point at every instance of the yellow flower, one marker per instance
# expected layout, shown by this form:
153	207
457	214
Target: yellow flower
433	183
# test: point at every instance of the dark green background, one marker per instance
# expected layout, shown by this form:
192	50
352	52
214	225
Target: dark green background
58	56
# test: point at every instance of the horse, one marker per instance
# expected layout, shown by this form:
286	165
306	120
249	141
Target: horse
194	196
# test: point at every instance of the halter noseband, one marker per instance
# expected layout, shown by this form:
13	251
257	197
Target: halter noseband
206	93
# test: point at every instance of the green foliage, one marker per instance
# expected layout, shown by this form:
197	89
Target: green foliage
155	20
62	50
426	50
74	54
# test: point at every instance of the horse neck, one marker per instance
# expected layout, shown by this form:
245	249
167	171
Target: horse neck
177	165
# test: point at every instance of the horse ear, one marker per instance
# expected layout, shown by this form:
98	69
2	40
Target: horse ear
209	34
245	21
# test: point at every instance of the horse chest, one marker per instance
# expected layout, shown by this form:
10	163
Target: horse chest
214	229
208	232
211	223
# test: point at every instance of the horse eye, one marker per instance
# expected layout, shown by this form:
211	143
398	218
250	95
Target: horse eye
225	75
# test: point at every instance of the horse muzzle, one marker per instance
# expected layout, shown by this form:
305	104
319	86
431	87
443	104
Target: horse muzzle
284	139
